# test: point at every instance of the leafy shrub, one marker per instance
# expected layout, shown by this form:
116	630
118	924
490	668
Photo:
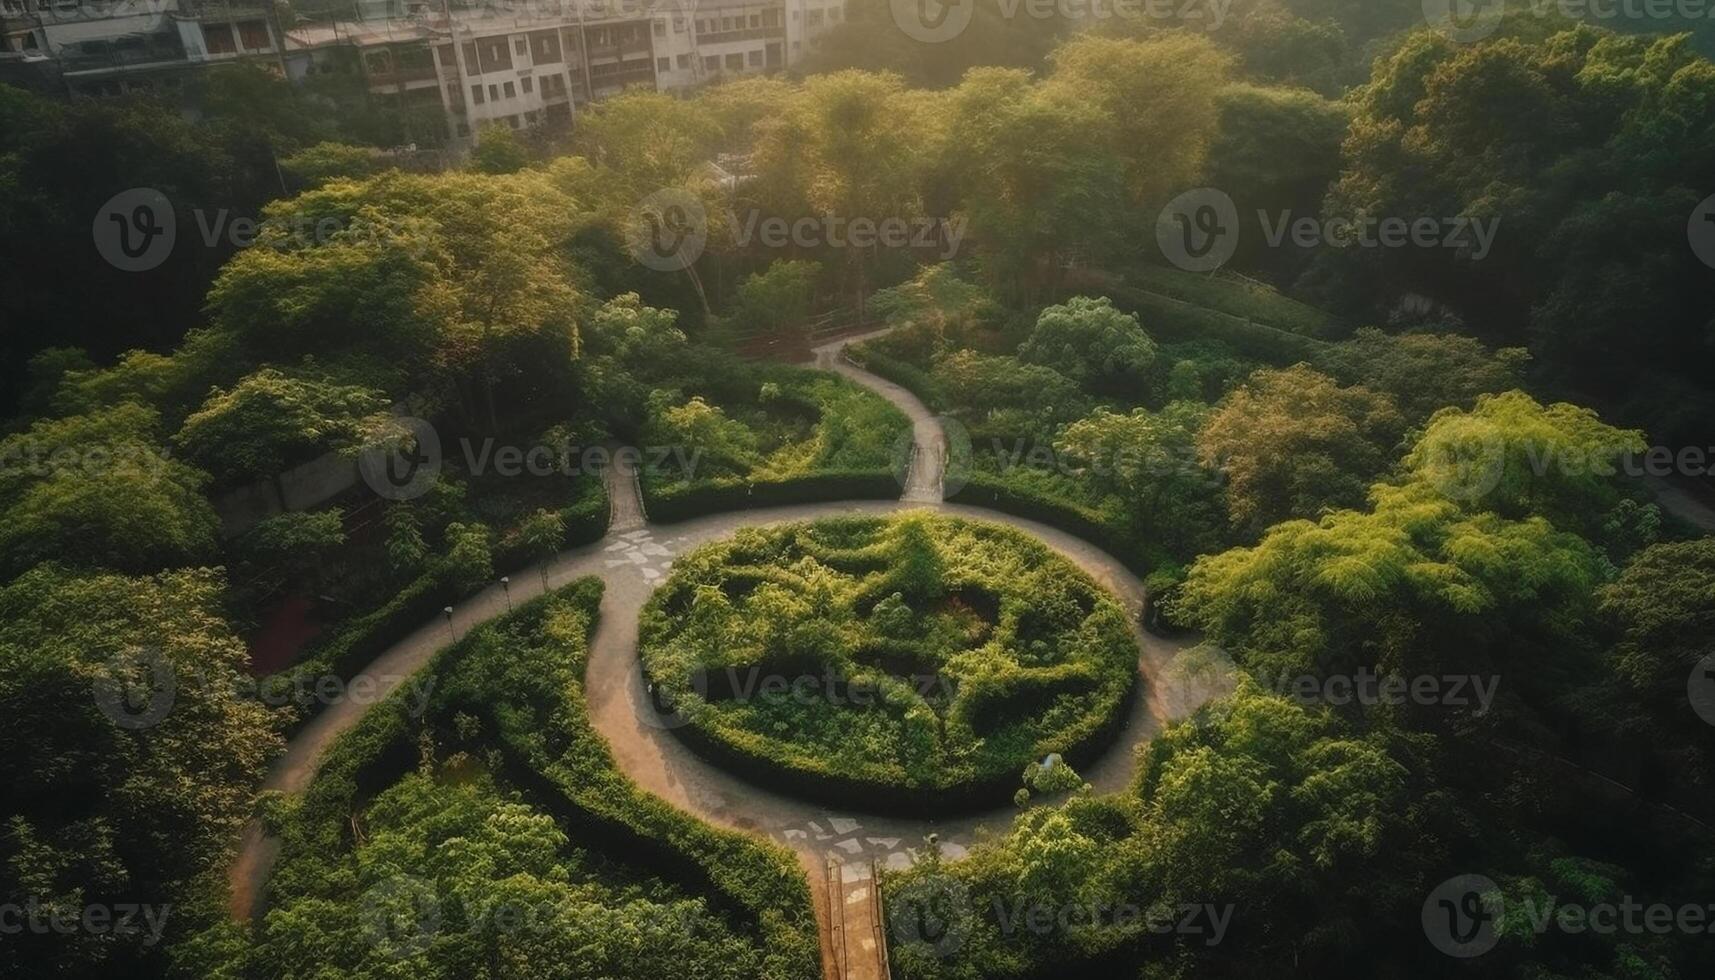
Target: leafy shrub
925	656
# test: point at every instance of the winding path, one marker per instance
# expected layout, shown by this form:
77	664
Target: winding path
632	560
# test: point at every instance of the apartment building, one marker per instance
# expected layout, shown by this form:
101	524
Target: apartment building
518	64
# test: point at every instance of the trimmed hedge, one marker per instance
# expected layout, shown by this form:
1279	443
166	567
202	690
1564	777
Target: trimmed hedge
586	523
360	640
681	502
1172	320
546	742
1238	297
784	776
994	493
908	376
1058	681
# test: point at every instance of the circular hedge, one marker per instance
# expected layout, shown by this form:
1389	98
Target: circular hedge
909	663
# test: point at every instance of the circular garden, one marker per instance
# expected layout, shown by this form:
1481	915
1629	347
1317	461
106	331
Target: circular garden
910	663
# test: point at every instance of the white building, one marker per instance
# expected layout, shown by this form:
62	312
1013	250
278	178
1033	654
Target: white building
513	63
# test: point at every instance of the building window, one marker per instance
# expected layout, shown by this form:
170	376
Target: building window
512	120
660	28
756	59
496	55
815	18
494	93
663	64
527	84
470	63
511	90
444	54
678	25
453	96
476	94
711	63
735	62
545	47
253	35
218	39
519	46
755	20
684	62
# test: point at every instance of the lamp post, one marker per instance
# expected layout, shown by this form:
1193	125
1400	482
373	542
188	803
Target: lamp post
448	612
506	587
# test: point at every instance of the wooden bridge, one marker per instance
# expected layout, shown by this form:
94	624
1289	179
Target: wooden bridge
857	935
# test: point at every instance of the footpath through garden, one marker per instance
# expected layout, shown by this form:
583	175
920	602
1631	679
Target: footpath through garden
632	560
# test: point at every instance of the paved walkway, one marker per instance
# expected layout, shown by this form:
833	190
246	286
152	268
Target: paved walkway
633	560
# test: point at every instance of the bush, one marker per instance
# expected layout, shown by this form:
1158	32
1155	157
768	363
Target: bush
681	502
909	663
507	719
1173	320
1110	532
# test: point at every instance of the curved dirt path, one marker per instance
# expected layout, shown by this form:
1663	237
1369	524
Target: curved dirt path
633	559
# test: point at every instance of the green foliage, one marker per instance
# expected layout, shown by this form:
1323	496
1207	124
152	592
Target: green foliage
1517	457
1414	586
129	754
1056	777
1249	301
271	420
299	541
926	656
764	424
1255	801
1293	443
1178	320
1097	346
470	556
323	162
457	871
1148	460
1593	272
1424	372
498	151
775	302
97	490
